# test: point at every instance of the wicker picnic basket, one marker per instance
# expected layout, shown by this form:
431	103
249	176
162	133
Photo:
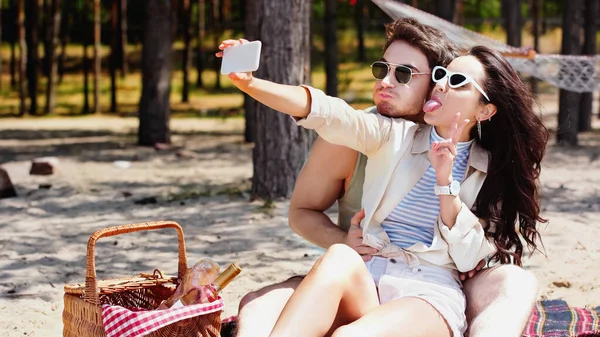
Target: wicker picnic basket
82	315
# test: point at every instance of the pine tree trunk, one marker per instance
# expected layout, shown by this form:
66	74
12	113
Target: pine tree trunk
123	63
64	37
589	48
536	11
459	12
186	16
13	64
97	58
330	27
359	21
114	53
51	55
86	58
201	37
217	29
13	44
568	112
22	56
1	72
281	147
251	31
445	9
226	12
156	73
513	21
46	36
307	42
31	27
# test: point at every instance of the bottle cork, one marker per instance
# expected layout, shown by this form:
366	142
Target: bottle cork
226	276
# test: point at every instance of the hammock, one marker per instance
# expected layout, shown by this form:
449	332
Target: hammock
571	72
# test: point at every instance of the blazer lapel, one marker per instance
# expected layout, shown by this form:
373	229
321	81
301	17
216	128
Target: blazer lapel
406	173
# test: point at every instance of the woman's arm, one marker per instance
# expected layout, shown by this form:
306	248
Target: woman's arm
332	118
339	123
466	239
289	99
459	227
442	157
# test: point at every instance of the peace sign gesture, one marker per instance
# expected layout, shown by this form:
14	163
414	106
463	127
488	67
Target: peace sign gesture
443	153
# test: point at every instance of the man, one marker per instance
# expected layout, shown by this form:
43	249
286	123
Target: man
499	299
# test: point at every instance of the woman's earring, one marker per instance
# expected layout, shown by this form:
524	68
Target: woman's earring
479	128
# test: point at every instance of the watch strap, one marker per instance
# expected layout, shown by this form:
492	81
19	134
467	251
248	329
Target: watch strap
441	190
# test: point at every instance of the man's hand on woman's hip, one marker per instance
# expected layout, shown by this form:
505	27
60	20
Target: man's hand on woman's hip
469	274
354	237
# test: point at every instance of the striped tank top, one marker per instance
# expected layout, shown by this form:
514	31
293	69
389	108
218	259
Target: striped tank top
414	218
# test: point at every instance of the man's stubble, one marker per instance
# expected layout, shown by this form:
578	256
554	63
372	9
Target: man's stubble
389	110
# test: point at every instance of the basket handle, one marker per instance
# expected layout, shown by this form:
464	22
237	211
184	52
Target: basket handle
91	293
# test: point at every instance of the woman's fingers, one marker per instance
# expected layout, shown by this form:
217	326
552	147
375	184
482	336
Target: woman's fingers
445	152
238	76
444	148
454	125
228	43
456	130
459	131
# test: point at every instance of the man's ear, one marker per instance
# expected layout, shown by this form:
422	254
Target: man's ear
488	111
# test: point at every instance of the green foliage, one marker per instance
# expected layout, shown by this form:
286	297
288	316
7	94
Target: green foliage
552	8
354	78
483	9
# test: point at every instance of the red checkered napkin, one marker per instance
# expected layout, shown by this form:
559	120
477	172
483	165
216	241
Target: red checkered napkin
130	322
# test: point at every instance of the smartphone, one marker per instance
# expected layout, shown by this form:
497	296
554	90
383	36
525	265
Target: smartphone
244	57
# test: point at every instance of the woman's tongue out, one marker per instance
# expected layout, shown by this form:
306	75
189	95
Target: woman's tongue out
431	105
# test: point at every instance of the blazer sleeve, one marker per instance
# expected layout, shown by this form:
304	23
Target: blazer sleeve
467	242
338	123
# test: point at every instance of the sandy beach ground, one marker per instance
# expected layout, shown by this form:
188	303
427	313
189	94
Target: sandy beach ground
44	231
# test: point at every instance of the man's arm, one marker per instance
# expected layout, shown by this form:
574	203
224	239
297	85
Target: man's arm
320	183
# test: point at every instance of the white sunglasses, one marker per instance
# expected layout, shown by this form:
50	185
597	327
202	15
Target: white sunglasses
455	80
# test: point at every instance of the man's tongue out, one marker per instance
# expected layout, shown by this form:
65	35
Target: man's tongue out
431	105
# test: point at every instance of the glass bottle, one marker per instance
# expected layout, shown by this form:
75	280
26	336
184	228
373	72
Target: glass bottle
210	292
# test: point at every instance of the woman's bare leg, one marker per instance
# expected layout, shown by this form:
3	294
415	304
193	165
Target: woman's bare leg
408	316
339	289
260	309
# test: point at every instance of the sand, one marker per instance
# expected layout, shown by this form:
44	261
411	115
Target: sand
102	174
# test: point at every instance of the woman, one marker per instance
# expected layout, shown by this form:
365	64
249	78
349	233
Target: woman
437	200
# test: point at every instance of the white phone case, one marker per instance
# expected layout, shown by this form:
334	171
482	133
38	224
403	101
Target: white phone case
241	58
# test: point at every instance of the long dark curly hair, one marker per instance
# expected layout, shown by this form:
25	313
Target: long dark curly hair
516	139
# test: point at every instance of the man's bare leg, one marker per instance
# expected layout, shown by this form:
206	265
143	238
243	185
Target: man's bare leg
259	310
499	301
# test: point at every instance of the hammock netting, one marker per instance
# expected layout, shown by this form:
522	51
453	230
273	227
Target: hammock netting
576	73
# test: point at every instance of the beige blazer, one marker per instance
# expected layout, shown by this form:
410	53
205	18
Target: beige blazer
398	152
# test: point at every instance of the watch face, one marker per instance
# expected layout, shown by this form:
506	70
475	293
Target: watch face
454	187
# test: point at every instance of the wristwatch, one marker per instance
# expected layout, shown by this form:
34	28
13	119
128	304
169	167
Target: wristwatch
452	189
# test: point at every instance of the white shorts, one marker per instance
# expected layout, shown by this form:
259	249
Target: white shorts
435	285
